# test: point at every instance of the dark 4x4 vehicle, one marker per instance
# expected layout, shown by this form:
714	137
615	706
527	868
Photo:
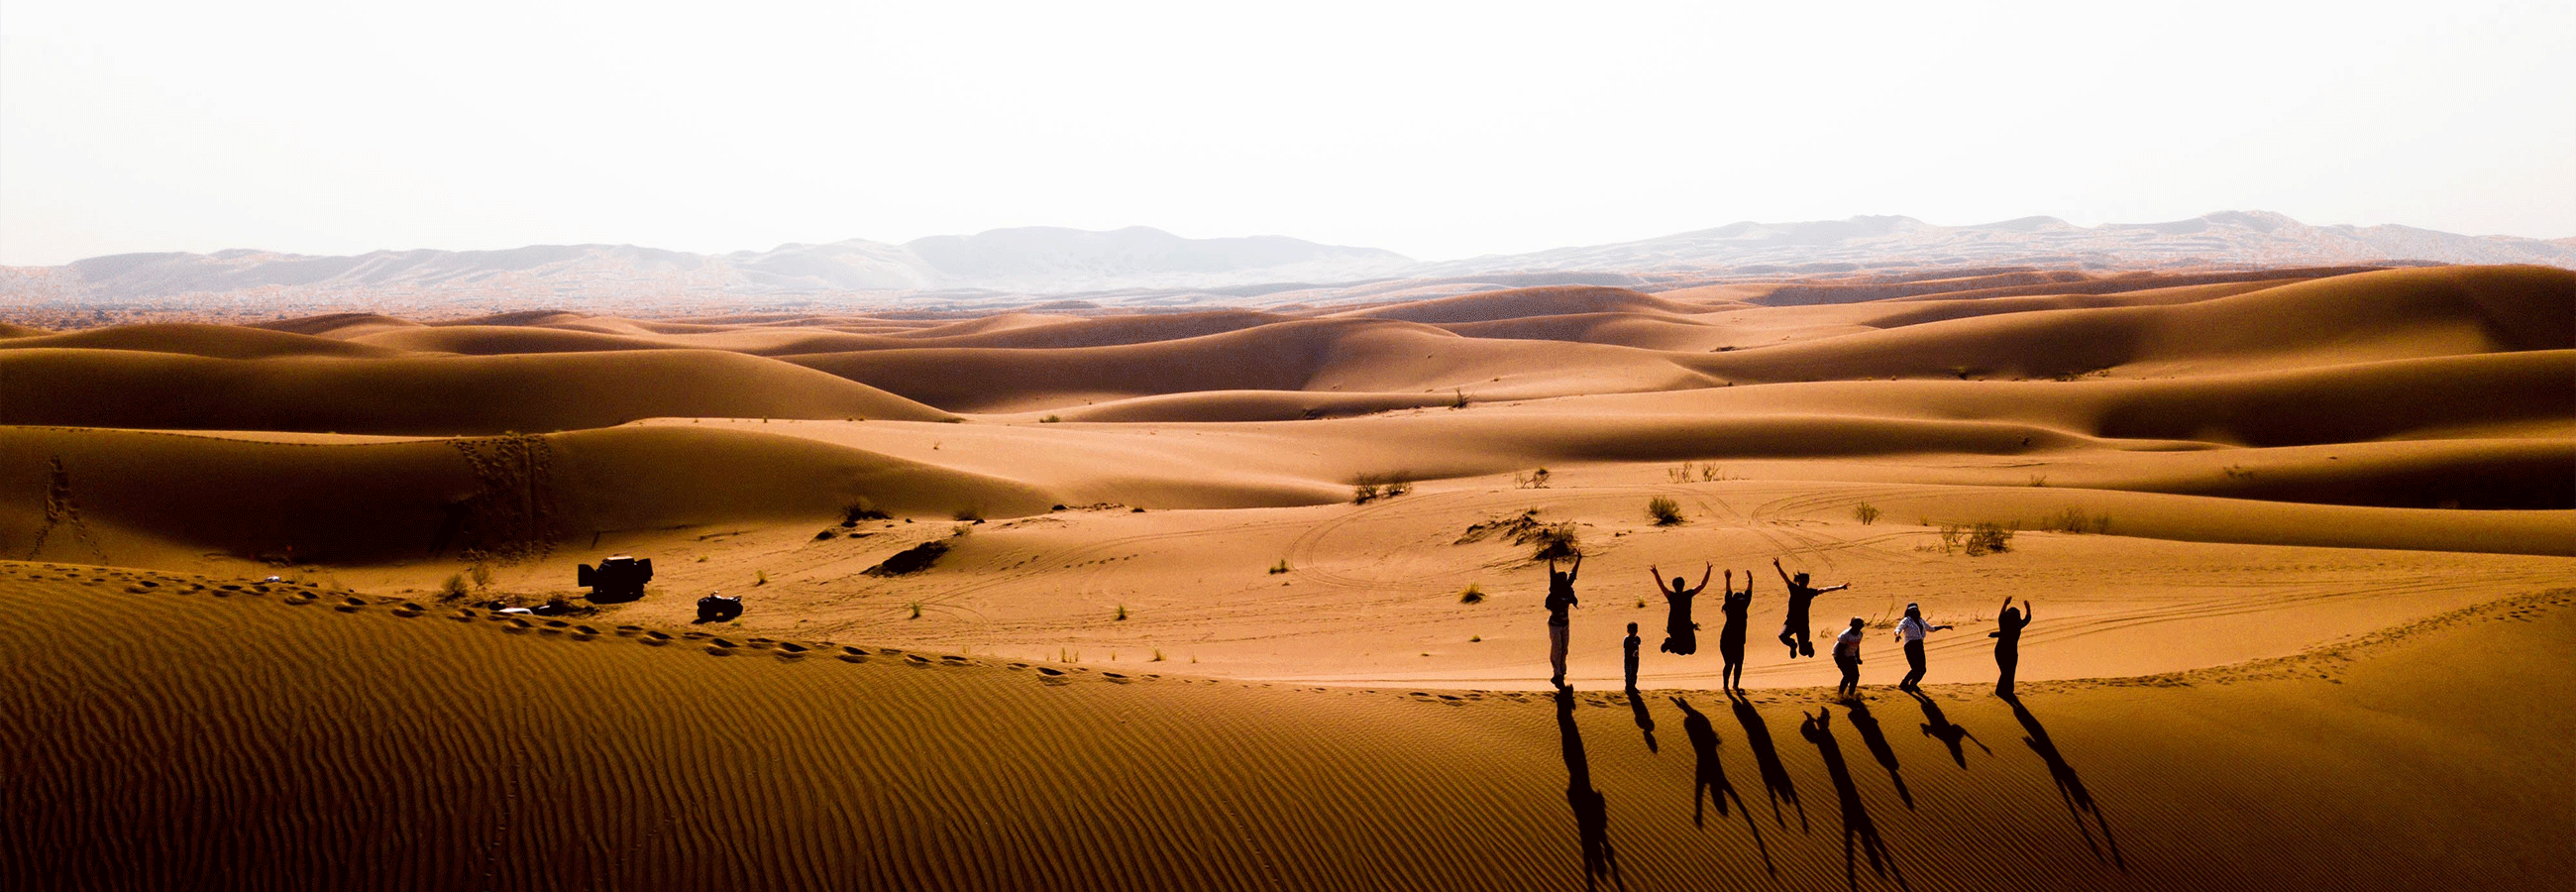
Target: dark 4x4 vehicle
617	578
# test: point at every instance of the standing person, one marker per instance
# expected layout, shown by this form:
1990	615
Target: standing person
1681	635
1630	646
1730	637
1911	630
1800	595
2007	637
1847	658
1560	596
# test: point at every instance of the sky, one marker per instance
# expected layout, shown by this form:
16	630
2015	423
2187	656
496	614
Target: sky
1435	129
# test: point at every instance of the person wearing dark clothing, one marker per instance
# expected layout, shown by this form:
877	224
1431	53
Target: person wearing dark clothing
2007	635
1730	637
1681	635
1793	632
1629	645
1911	630
1560	596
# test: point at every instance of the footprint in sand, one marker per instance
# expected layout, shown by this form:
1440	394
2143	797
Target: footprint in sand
854	655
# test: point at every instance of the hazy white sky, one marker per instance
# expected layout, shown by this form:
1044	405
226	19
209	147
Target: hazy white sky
1431	128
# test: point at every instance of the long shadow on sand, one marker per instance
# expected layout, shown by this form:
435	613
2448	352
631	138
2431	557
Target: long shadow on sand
1766	759
1876	740
2070	788
1818	729
1709	783
1938	727
1645	720
1591	811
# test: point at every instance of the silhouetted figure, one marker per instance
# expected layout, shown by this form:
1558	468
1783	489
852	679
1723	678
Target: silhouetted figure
1591	811
1938	727
1645	721
1911	630
1628	655
1847	658
1856	823
716	608
2007	635
2070	788
1730	637
1793	631
1870	736
1560	597
1708	780
1766	760
1681	635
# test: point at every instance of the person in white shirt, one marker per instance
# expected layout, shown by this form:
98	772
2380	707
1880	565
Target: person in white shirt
1847	658
1911	630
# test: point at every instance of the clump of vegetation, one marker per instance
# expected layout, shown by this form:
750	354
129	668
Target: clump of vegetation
1472	594
916	609
1664	510
454	588
1158	656
1457	398
911	560
1475	639
1977	539
827	533
1280	567
1122	617
759	577
968	514
1372	487
2074	520
1689	471
1866	513
1557	541
862	509
482	576
2039	480
1536	479
1051	419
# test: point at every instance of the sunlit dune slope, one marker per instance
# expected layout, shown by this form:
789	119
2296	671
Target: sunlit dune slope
419	394
197	339
275	736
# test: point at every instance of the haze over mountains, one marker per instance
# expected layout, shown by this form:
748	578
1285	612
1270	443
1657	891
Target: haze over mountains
1139	266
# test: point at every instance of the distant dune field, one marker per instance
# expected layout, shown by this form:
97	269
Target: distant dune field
1233	599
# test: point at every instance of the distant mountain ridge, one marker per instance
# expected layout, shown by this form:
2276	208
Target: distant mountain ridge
1144	265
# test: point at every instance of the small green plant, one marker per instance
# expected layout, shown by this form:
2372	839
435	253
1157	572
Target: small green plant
1280	567
1866	513
454	589
1664	510
1474	639
702	559
1457	398
1051	419
1122	613
759	577
916	609
1472	594
2039	480
1158	656
1641	603
482	575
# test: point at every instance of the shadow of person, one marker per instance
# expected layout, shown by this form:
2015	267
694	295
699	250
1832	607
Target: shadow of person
1591	811
1709	783
1645	721
1938	727
1766	760
1818	729
1870	736
2070	788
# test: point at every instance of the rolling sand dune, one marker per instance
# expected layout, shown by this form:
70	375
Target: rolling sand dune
1249	599
280	736
421	395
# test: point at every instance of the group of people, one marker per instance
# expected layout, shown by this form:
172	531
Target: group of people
1681	634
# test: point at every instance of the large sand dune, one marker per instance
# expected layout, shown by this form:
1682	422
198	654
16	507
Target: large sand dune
2298	542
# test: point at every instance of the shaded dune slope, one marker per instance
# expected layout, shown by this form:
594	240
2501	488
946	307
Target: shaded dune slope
422	395
99	493
197	339
185	731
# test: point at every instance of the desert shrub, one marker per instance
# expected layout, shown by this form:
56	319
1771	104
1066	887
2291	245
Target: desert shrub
1988	537
1866	513
2074	520
1664	510
2039	480
1555	541
1372	487
1051	419
916	609
482	575
1536	479
1457	398
453	589
1472	594
862	509
968	514
1280	567
759	577
1122	617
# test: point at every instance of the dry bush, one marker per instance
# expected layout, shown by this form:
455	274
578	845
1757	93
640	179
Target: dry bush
1664	510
